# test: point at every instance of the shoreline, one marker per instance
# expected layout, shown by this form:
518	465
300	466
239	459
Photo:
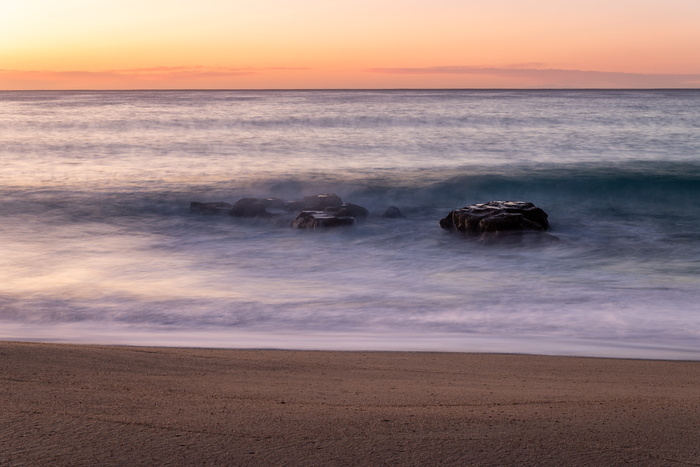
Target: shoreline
387	341
676	353
71	404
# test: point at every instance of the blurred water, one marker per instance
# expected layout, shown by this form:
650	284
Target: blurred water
98	244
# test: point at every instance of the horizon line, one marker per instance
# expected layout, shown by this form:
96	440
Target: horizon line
354	89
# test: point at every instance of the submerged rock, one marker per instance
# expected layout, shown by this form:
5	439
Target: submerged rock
392	212
317	211
498	220
326	210
348	209
213	208
249	207
274	203
319	219
316	202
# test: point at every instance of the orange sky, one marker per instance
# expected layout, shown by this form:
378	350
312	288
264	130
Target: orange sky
216	44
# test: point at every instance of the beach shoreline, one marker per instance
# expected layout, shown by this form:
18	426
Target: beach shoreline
66	404
383	340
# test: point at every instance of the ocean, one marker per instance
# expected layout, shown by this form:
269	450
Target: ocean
98	243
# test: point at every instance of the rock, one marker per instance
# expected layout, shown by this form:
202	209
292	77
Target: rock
348	209
322	201
319	219
218	207
315	202
317	211
274	203
495	219
249	207
392	212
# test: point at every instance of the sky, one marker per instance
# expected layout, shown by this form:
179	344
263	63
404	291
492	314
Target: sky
348	44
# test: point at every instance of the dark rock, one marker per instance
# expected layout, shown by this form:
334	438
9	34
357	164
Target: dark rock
214	208
317	211
322	201
507	221
274	203
392	212
349	209
318	219
249	207
316	202
491	220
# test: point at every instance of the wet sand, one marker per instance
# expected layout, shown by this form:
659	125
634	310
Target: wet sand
90	405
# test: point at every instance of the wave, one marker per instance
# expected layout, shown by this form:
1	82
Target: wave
672	186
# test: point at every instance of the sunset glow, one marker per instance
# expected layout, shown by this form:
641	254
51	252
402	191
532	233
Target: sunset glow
278	44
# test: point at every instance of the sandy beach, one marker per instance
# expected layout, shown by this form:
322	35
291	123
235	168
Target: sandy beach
92	405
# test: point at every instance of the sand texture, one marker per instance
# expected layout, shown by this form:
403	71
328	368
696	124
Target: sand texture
91	405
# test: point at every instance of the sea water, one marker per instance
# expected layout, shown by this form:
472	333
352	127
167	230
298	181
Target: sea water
98	245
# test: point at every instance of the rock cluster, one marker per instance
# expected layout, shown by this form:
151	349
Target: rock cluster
316	211
491	222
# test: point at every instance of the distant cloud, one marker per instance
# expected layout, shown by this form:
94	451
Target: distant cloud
538	65
535	75
198	69
151	77
520	75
